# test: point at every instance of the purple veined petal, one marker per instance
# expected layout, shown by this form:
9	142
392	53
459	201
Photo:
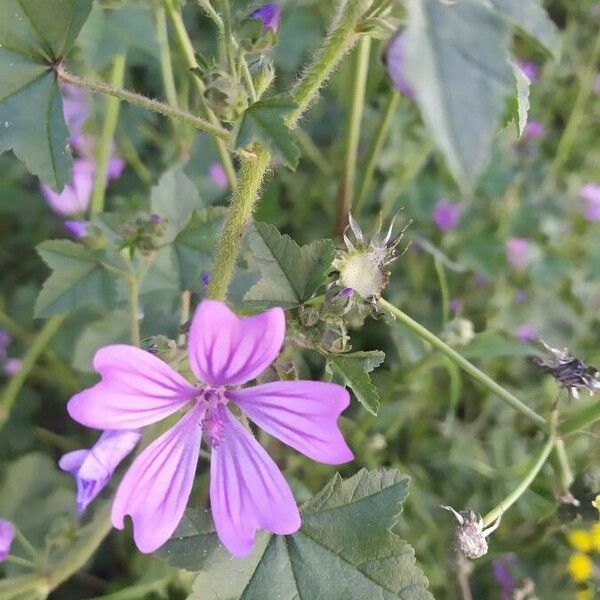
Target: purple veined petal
226	350
156	488
247	490
136	389
94	468
75	197
302	414
395	59
7	535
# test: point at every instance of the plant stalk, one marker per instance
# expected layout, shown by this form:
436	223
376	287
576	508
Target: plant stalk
464	364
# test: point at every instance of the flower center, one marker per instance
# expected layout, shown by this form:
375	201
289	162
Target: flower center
213	421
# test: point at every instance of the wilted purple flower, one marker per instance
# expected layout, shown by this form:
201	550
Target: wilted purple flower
526	332
530	69
590	192
517	251
78	229
446	214
7	535
534	130
94	468
217	175
395	60
269	15
12	366
346	292
503	576
247	490
521	296
75	198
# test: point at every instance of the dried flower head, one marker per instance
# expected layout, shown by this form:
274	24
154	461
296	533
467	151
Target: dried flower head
361	264
470	535
572	373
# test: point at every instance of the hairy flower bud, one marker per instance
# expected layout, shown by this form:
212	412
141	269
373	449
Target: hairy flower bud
224	95
470	535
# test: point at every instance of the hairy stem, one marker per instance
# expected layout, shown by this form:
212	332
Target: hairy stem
375	151
361	69
187	50
105	146
30	357
464	364
505	504
154	105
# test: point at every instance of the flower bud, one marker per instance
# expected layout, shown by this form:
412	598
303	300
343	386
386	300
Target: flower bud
224	95
458	332
470	535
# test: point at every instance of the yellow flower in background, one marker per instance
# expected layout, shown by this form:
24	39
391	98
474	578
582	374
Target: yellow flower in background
584	595
580	566
595	535
581	540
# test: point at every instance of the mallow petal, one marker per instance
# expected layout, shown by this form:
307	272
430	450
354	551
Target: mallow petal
94	468
247	490
136	389
226	350
302	414
156	488
7	535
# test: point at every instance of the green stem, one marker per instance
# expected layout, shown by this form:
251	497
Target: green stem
443	281
253	167
20	536
30	357
375	151
166	65
341	37
248	79
580	418
154	105
228	37
357	103
578	113
134	310
243	199
312	151
22	562
505	504
113	107
187	50
564	468
464	364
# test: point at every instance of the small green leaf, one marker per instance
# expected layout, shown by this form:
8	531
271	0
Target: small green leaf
517	107
458	63
344	550
264	121
532	18
352	370
174	198
78	279
34	35
194	246
290	273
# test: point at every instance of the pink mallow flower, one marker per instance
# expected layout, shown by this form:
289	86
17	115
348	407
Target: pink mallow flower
216	173
530	70
446	214
395	61
534	130
590	192
94	468
7	535
269	15
526	332
517	251
12	366
75	197
75	111
247	490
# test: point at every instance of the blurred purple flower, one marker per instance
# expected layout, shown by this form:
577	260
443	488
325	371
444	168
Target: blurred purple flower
115	167
446	214
530	69
4	343
596	87
247	490
269	15
517	250
534	130
94	468
502	575
526	332
590	192
7	535
456	304
216	173
76	112
395	60
75	197
480	280
78	229
346	292
521	296
12	366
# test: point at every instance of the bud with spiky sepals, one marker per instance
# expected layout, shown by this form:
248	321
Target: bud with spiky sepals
225	96
471	536
263	74
572	373
361	265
